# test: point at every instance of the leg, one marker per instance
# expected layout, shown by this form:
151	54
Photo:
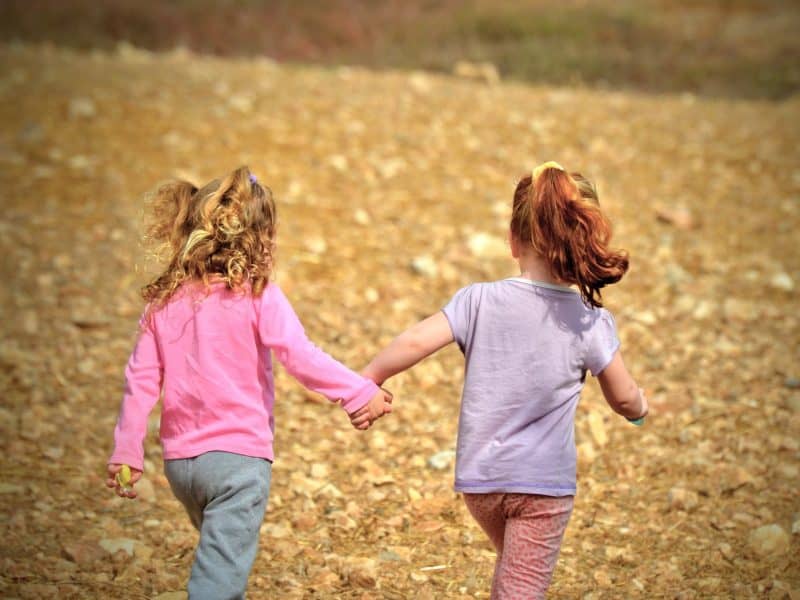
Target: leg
233	490
179	475
487	510
534	531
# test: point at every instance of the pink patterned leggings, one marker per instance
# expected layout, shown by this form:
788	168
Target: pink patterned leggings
526	531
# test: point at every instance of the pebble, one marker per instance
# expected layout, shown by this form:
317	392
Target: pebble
479	71
82	108
726	550
441	460
424	265
769	540
782	281
682	499
172	596
485	245
316	245
792	383
362	217
597	428
114	545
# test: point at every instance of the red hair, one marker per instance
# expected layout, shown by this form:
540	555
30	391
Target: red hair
568	230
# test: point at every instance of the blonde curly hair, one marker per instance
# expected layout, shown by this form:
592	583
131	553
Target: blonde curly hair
222	232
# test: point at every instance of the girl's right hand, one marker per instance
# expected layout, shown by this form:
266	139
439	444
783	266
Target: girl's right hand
380	404
128	491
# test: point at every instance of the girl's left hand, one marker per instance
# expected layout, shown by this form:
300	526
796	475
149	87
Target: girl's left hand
379	405
128	491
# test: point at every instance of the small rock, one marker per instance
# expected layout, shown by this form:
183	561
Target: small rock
316	245
646	317
114	545
484	245
362	217
172	596
480	71
769	540
242	103
782	281
792	383
602	578
441	460
83	553
338	162
796	525
364	573
597	428
682	499
735	309
319	471
586	452
677	216
424	265
726	551
145	490
82	108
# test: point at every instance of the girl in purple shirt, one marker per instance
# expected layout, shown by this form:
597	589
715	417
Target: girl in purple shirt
528	342
212	323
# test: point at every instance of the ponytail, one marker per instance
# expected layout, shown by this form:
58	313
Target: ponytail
559	215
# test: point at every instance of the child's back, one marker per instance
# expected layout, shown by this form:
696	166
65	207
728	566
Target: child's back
527	346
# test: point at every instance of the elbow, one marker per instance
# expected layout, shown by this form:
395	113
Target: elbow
629	404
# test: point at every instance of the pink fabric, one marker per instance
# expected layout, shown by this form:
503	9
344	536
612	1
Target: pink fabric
526	531
211	353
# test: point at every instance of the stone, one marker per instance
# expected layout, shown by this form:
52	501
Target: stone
424	265
441	460
485	245
597	428
114	545
82	108
83	553
769	540
479	71
782	281
681	499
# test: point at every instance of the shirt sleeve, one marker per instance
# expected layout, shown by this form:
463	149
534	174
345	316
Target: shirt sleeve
459	314
603	343
143	378
280	330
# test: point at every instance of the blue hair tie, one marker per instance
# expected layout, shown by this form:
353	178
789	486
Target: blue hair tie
253	178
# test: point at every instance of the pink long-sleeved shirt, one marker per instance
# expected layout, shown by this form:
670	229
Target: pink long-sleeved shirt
212	356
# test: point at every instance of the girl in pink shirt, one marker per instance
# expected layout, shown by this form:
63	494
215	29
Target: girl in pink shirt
212	323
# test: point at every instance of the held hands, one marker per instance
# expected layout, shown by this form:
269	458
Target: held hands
380	404
123	486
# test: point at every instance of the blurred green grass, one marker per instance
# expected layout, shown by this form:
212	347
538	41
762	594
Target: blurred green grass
734	48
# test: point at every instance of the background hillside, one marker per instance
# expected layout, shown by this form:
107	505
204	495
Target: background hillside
743	48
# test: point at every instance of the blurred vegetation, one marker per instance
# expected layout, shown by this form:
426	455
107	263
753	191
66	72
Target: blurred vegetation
736	48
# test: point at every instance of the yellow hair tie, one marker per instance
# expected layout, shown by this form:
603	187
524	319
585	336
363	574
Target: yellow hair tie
550	164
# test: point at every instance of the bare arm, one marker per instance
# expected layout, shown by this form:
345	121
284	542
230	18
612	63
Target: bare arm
410	347
621	391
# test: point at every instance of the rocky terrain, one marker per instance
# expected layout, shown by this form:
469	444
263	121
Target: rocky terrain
394	190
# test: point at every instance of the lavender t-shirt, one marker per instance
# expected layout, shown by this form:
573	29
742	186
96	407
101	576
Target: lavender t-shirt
527	346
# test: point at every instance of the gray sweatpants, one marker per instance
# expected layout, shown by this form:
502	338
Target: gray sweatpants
225	495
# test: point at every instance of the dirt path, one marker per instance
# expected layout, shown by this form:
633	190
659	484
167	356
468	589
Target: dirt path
393	192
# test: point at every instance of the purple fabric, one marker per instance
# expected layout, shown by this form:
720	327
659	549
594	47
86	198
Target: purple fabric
527	346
